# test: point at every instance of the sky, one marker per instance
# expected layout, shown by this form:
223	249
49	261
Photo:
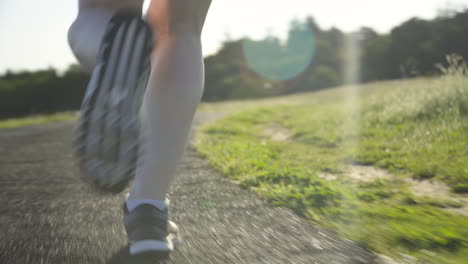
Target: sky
33	34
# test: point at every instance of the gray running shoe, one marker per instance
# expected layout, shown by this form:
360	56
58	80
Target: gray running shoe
106	136
150	231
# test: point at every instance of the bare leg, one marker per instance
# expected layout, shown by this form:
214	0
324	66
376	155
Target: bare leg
173	92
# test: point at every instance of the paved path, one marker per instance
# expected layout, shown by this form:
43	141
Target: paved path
48	215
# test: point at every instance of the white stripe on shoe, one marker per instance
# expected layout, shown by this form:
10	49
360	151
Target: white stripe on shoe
144	246
168	245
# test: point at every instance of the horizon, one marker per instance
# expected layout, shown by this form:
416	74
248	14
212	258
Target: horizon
223	23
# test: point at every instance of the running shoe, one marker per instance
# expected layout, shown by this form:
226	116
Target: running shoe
106	136
150	231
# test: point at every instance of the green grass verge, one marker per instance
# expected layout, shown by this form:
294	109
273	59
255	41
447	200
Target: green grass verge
416	128
36	120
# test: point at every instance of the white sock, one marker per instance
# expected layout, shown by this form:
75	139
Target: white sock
86	33
132	204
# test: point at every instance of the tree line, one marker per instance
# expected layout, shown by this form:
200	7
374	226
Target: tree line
411	49
311	58
41	92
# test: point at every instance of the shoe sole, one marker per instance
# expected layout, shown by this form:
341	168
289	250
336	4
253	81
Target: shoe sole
158	246
155	246
106	136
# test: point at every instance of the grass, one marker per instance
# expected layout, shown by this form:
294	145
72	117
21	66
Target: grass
412	128
36	120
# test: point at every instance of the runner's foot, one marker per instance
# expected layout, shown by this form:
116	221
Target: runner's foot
149	230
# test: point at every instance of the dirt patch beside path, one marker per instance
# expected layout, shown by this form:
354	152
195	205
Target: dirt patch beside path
277	133
367	173
439	190
358	173
424	189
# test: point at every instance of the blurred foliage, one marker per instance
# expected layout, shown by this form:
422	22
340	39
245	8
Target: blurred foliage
411	49
41	92
311	58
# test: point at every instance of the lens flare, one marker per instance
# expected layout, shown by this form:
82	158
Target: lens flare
352	77
272	59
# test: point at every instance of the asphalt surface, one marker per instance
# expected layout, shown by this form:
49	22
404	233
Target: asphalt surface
48	215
